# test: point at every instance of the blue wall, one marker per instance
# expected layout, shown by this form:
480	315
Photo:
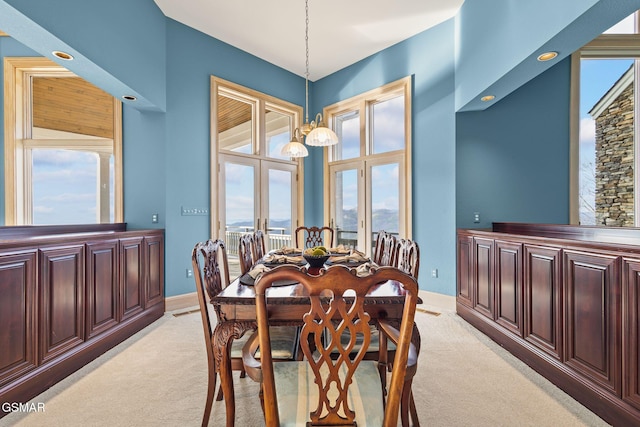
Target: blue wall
512	160
194	58
118	45
499	41
429	58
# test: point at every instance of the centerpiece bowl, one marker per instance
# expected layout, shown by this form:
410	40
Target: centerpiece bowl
316	261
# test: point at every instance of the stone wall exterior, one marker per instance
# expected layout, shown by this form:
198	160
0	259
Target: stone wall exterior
615	163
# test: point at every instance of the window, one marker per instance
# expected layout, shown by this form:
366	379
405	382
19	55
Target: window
63	147
369	186
253	186
607	131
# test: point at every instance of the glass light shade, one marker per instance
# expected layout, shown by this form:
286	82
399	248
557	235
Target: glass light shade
294	149
321	136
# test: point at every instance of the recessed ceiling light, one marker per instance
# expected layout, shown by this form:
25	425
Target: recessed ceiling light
487	98
129	97
547	56
63	55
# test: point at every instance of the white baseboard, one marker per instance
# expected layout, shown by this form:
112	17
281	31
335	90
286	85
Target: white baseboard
178	302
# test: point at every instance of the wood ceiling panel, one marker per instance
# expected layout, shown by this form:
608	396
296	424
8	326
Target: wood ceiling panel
232	113
71	104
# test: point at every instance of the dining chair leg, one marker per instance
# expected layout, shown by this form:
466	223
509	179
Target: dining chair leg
211	388
405	403
413	411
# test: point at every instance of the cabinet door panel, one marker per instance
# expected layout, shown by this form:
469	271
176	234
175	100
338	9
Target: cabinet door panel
509	285
592	316
17	314
102	286
62	289
465	270
483	280
154	266
132	278
543	299
631	331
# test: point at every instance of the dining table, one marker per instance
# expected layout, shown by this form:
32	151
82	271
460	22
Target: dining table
287	303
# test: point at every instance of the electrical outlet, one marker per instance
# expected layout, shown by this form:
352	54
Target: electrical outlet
189	273
476	217
154	218
434	273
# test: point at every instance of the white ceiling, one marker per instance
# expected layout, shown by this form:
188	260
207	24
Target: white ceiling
340	32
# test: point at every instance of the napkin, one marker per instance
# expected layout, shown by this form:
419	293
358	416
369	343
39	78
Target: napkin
285	251
259	268
340	249
353	256
283	259
364	269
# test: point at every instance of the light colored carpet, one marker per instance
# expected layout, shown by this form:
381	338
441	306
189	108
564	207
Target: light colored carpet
158	378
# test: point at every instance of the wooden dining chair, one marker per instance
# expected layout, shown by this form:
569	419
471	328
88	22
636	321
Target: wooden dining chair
308	237
385	249
258	245
321	390
408	257
246	252
211	272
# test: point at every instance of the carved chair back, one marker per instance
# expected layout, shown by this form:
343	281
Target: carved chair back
211	272
408	257
337	305
314	236
385	249
246	252
258	245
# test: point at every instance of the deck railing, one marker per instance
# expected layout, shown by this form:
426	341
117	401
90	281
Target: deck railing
276	241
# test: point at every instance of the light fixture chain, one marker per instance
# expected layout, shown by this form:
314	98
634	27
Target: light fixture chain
306	75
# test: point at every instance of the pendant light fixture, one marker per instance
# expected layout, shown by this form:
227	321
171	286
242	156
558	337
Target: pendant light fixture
295	148
316	133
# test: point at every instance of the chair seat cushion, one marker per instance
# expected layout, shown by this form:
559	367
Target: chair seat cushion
297	394
284	341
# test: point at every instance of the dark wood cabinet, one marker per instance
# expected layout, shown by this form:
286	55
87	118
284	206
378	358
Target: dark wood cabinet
508	287
154	262
543	299
102	286
483	286
61	300
631	330
132	278
592	298
70	293
464	288
566	301
18	308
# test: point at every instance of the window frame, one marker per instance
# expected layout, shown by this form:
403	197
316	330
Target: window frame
364	103
605	46
261	103
19	143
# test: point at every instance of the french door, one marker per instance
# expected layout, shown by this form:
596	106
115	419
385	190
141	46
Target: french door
367	196
257	194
